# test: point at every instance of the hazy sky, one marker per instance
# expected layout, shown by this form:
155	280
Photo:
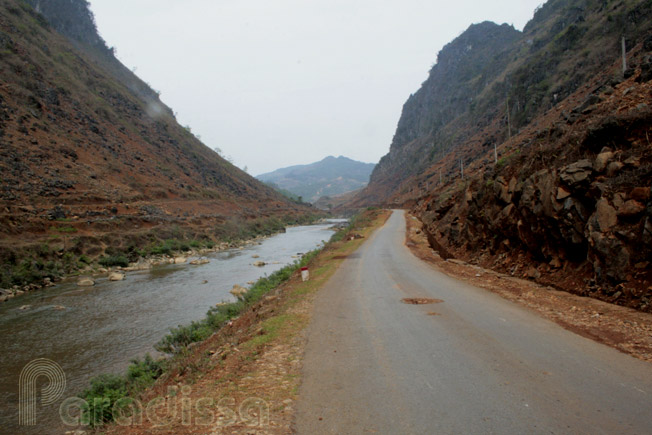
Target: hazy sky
284	82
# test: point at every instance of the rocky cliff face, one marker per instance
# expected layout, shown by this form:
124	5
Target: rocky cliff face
92	161
492	81
536	159
463	69
573	212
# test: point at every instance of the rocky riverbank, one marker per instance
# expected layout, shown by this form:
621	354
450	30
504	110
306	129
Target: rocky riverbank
87	276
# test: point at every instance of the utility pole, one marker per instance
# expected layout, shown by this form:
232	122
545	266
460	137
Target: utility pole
624	45
509	123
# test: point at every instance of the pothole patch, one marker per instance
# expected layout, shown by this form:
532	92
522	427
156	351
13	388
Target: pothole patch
421	301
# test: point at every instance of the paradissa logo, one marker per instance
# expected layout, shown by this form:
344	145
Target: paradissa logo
50	393
160	411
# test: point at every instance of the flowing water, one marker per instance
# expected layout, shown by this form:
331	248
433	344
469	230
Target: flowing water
101	328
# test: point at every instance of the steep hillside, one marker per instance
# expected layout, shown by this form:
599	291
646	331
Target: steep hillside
532	155
493	80
328	177
92	162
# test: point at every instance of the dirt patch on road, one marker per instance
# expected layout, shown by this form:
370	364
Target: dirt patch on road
421	301
622	328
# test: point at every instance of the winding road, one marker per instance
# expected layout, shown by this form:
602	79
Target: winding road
472	364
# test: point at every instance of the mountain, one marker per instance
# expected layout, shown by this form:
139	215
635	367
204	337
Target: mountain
529	152
328	177
333	203
92	162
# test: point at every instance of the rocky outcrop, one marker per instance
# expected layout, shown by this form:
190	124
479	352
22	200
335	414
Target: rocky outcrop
573	225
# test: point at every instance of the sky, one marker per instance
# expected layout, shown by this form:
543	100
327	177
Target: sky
285	82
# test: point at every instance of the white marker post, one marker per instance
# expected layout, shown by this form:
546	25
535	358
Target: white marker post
305	274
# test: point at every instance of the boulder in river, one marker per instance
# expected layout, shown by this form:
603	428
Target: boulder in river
238	291
200	261
259	263
85	282
116	276
180	260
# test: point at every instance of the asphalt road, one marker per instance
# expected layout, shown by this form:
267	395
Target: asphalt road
482	365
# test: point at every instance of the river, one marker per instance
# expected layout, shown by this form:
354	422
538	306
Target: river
101	328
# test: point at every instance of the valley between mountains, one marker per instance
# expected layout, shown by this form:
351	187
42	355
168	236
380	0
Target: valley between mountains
491	273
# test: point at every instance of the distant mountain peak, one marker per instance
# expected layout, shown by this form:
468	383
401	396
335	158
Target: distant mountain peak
329	176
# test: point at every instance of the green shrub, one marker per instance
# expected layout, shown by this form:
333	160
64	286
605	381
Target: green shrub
114	260
142	374
68	229
100	399
109	393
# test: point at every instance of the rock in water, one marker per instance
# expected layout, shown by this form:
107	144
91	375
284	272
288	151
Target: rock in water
238	291
200	261
259	263
116	276
180	260
85	282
